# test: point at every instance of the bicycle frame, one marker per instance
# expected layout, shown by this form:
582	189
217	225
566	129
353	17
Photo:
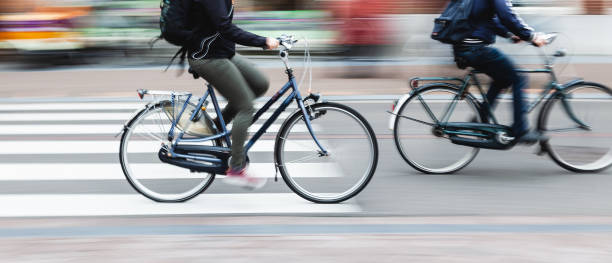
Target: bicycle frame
294	94
546	94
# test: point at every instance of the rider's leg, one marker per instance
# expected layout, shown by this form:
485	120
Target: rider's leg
227	79
520	125
502	70
484	59
258	82
504	75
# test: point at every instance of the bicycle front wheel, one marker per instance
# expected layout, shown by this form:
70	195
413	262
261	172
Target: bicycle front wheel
420	144
579	125
141	142
339	174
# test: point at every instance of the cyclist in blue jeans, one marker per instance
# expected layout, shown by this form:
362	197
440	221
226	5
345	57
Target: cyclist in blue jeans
488	19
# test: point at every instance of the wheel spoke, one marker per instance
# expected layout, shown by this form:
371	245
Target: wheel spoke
573	145
433	153
416	120
306	158
143	168
315	176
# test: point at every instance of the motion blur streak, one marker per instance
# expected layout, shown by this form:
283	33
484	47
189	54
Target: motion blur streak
69	71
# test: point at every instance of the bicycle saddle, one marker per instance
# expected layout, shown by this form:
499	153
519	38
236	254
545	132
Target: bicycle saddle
192	72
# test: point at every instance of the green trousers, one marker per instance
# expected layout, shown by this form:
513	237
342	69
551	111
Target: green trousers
240	83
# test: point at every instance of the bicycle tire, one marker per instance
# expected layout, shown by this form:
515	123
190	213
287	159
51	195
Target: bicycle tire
301	188
125	162
543	122
445	87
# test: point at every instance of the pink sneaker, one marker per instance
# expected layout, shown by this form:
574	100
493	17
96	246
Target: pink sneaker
239	177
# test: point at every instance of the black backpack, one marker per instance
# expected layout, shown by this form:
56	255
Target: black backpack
173	21
453	25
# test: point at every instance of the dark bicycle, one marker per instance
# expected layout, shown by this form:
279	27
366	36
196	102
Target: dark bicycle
433	124
171	150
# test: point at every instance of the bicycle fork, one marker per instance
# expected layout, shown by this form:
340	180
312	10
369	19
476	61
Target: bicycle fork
307	119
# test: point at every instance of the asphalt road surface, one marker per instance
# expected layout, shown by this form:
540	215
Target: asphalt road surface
61	159
63	196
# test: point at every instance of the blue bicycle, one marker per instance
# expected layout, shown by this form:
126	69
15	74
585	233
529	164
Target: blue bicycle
440	126
171	150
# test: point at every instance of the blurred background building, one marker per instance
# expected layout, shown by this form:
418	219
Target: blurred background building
47	30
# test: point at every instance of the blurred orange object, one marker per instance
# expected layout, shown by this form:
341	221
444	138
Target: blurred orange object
42	28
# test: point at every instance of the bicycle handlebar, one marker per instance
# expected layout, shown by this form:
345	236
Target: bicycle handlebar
550	37
287	41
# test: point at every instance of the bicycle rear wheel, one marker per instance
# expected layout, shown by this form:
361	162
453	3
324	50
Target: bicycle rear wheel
573	146
421	146
146	133
346	169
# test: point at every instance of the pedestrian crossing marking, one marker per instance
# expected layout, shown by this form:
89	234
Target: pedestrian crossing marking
105	171
79	119
35	129
24	107
63	205
112	147
84	116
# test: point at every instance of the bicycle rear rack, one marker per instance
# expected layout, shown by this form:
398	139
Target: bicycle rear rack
143	92
414	82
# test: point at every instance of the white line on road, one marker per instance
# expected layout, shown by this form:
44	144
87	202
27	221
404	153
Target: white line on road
131	204
71	106
92	171
34	129
30	117
106	147
93	106
64	116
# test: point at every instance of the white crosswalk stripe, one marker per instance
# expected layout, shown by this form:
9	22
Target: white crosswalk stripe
32	117
34	153
94	171
34	129
84	106
85	147
132	204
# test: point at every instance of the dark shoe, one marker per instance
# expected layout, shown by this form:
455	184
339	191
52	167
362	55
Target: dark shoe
531	137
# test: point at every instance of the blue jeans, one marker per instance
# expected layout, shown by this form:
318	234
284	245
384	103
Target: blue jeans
500	68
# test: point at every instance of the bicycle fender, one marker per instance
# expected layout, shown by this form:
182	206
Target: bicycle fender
572	83
399	104
560	93
136	112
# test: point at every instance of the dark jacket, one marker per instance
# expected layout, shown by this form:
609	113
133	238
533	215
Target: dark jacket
496	17
215	36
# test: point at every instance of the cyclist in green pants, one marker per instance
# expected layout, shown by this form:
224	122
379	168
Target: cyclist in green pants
212	55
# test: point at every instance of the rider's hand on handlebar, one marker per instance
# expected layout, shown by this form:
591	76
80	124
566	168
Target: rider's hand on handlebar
539	40
272	43
515	39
